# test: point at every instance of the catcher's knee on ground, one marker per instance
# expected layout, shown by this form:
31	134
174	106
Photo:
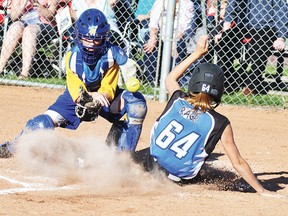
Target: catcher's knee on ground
39	122
126	133
43	121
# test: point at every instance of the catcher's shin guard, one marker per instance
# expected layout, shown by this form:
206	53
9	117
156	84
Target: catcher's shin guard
124	136
135	109
129	137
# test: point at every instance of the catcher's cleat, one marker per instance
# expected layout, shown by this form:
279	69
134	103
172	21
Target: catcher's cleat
6	150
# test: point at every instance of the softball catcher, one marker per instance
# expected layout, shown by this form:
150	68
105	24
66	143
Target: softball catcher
92	71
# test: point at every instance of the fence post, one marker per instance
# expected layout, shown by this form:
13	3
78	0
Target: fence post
166	57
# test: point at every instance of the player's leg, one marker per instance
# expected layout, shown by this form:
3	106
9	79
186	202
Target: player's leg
115	133
61	113
144	159
42	121
125	134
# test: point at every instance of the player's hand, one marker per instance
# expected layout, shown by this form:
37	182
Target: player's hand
279	44
272	194
101	98
202	45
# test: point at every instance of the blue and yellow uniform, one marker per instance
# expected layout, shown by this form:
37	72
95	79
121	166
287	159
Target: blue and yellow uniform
102	78
93	65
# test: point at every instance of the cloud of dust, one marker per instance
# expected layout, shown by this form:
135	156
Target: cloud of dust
51	154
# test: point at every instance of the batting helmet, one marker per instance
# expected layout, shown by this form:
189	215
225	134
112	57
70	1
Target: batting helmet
208	78
92	25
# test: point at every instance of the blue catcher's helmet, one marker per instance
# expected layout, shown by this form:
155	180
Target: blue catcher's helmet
92	25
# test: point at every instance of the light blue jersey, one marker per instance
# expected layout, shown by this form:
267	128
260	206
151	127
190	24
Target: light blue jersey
182	139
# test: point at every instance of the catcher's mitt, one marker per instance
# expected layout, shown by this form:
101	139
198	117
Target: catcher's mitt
86	109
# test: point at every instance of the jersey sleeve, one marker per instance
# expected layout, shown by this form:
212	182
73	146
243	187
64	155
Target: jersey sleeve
119	55
72	80
110	81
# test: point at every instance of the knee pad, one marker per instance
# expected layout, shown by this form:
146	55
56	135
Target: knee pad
135	107
130	130
39	122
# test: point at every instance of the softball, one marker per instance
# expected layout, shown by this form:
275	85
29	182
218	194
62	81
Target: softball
133	84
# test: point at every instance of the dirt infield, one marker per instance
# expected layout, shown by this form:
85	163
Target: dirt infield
113	186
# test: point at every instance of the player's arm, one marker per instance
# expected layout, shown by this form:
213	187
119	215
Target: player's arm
109	82
240	165
171	81
72	80
106	92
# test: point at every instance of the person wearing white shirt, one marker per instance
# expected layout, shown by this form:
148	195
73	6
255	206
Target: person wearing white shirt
184	11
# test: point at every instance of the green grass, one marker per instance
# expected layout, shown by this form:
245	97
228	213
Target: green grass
255	100
53	81
232	99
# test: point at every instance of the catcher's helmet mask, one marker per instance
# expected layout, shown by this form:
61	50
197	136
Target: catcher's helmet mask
92	25
208	78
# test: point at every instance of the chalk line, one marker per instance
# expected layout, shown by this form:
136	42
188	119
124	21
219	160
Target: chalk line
28	187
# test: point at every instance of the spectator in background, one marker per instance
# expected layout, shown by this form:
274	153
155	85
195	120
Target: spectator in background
267	25
107	7
143	9
5	6
196	30
182	20
124	13
229	47
2	17
34	24
142	14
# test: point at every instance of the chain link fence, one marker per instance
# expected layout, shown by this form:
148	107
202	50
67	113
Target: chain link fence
246	41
